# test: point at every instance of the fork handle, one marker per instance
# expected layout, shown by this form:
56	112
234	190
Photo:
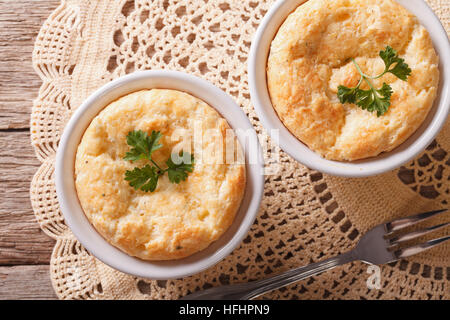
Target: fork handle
259	287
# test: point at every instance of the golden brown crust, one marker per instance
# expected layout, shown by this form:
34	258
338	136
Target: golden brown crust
176	220
309	58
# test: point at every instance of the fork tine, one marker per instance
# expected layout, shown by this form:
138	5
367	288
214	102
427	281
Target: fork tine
406	252
416	234
409	221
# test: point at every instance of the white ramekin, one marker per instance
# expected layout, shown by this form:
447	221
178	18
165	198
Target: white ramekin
85	232
299	151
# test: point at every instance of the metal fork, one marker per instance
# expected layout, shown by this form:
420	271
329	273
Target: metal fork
377	246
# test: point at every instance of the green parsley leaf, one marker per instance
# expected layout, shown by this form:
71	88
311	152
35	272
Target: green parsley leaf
347	95
401	70
373	99
145	178
143	145
179	172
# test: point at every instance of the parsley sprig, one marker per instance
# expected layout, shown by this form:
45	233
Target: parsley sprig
146	178
374	99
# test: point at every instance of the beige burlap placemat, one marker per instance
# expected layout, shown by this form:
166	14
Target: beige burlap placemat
304	216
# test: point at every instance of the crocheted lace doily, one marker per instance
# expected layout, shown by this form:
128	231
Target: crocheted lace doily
305	216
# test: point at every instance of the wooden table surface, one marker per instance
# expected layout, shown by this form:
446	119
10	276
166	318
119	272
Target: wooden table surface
24	249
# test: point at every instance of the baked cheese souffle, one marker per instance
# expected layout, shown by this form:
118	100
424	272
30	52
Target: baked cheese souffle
176	219
311	56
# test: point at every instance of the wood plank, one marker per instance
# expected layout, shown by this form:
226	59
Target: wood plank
21	239
20	21
26	282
